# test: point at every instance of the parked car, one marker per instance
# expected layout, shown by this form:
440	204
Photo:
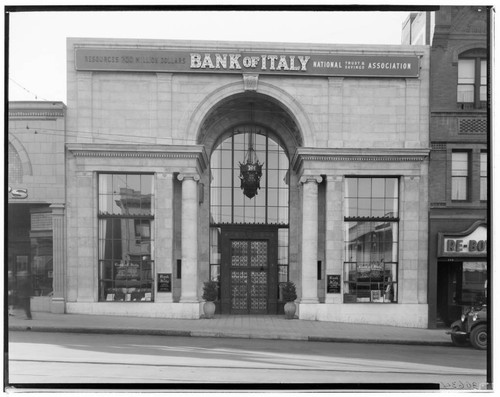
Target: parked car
471	328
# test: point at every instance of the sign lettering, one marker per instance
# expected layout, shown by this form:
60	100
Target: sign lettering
18	194
311	64
474	243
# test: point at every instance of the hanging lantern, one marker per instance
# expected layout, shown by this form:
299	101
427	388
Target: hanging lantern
250	171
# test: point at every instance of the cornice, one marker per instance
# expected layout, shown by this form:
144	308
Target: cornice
35	114
141	151
380	155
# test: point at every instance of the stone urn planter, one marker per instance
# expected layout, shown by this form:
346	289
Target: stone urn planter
289	296
210	295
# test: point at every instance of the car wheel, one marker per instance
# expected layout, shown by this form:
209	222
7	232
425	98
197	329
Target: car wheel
479	337
459	340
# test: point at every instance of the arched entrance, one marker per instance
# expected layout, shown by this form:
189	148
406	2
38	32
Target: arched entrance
249	226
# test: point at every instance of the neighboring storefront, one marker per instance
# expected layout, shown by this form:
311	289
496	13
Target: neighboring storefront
35	211
458	162
250	164
461	263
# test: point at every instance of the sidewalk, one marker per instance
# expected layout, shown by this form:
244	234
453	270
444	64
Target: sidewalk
225	326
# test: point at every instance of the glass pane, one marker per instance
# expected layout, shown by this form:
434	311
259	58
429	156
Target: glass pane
351	187
147	184
119	183
364	187
482	93
483	72
282	274
378	209
391	187
225	196
465	93
215	272
225	214
474	278
391	208
105	204
283	215
363	207
378	187
105	184
272	215
260	214
484	164
466	71
459	188
134	182
459	163
483	194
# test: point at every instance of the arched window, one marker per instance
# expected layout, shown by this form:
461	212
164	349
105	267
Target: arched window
15	166
228	203
472	79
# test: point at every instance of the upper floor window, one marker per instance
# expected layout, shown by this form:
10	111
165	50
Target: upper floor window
471	88
459	175
483	190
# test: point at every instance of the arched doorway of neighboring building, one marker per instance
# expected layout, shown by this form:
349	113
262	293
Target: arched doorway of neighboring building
250	231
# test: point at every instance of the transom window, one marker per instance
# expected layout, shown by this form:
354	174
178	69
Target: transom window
229	205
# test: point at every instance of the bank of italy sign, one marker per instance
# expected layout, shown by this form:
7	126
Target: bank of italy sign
201	61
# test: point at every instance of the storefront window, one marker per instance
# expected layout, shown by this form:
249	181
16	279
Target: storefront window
371	240
42	265
126	241
474	278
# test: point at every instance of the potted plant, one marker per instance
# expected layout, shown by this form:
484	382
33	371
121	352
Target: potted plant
289	296
210	296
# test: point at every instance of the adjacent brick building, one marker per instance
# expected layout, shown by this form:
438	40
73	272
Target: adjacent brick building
458	167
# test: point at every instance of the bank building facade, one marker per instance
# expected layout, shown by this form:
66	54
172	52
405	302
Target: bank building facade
250	164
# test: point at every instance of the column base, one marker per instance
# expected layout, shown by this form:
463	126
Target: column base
58	306
189	300
308	300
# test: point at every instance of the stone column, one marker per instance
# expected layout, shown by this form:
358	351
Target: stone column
189	244
58	259
309	238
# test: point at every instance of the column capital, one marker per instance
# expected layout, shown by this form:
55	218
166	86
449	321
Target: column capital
188	175
310	178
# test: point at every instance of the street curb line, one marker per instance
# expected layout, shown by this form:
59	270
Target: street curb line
208	334
377	341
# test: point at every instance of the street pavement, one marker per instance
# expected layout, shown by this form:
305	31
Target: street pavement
230	326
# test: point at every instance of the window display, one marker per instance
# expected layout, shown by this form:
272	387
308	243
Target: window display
371	240
126	243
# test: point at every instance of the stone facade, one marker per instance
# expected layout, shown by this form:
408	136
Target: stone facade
168	123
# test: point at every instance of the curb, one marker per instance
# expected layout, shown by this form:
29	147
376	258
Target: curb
209	334
378	341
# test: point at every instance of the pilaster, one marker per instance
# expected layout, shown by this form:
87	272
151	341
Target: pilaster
309	238
58	258
189	239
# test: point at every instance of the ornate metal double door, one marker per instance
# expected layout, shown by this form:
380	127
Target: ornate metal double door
248	273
